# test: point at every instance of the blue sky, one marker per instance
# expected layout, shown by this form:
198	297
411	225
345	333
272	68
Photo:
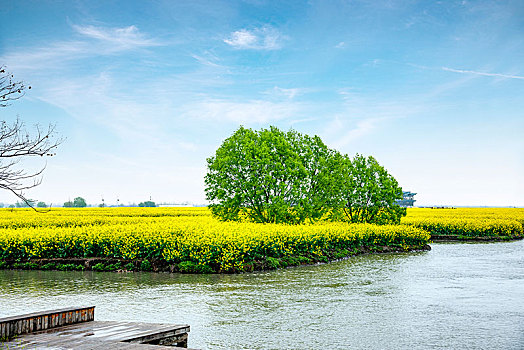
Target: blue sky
145	91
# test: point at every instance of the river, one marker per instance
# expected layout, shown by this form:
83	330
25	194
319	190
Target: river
467	296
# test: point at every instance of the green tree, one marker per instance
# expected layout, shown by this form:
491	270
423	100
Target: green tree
271	176
369	193
79	202
147	204
26	204
41	205
68	204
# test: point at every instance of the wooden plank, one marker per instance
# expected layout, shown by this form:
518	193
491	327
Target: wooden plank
28	323
74	328
47	312
46	342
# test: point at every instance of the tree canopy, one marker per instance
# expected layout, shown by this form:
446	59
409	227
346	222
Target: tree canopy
78	202
272	176
147	204
369	193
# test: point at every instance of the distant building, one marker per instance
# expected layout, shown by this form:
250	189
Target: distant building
407	199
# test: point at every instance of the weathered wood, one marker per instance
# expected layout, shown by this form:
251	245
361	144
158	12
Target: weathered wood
53	343
106	335
28	323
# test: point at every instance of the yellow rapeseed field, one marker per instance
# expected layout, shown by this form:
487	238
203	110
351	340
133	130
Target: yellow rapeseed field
187	237
468	222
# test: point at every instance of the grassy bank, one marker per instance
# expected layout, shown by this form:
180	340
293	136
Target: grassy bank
182	239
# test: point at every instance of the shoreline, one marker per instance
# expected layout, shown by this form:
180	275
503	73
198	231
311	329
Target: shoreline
102	264
462	238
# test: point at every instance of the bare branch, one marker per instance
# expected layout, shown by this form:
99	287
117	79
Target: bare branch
10	90
16	143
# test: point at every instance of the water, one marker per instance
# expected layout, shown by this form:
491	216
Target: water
467	296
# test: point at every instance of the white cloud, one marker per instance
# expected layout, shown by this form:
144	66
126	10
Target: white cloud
109	41
206	61
283	92
362	116
362	128
123	38
46	57
250	112
98	99
509	76
340	45
264	38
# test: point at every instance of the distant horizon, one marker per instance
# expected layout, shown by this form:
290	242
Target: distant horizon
191	204
145	92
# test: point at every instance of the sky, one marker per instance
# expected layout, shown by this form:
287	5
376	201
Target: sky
144	91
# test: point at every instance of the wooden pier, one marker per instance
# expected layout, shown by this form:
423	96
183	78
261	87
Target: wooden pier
75	328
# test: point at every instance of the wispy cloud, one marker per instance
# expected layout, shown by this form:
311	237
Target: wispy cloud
207	59
52	55
362	116
123	38
362	128
290	93
497	75
264	38
107	41
248	113
117	111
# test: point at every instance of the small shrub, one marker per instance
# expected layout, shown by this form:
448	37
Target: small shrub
187	267
304	259
129	267
272	263
49	266
145	266
113	267
191	267
25	266
3	264
99	267
70	267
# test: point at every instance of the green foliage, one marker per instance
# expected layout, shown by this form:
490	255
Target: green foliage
129	266
25	266
25	204
79	202
41	205
99	267
113	267
191	267
109	267
69	267
273	263
368	193
147	204
49	266
271	176
145	266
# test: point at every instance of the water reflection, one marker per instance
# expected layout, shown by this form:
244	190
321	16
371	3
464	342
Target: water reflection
455	296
